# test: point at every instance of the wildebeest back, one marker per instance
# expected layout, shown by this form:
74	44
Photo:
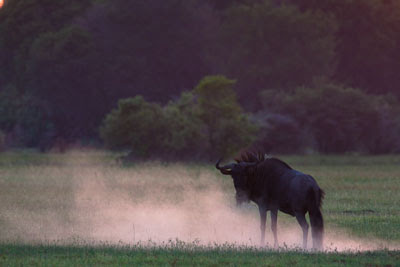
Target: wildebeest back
283	188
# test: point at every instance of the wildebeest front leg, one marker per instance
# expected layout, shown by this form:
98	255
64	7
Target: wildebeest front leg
263	221
301	218
274	219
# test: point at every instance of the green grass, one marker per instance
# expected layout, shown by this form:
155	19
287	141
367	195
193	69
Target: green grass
50	255
38	198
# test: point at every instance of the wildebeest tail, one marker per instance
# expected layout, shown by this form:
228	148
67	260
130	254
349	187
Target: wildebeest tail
317	221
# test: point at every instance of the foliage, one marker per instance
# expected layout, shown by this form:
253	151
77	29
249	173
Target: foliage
228	128
367	42
21	21
57	70
269	46
40	51
385	137
24	118
279	133
70	62
9	103
2	140
205	123
135	124
342	119
338	116
186	137
153	48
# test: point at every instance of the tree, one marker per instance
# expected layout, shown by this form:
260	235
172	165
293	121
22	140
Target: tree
384	138
151	131
36	54
270	46
368	43
279	133
202	124
153	48
21	21
340	118
228	128
58	73
23	117
185	136
135	124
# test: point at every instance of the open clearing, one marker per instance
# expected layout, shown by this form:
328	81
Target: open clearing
84	208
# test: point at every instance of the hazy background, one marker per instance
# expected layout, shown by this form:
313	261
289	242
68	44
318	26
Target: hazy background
294	76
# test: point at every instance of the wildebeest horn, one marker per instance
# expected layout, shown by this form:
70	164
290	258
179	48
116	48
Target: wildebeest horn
217	165
223	169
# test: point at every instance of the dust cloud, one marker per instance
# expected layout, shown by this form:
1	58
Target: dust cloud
155	203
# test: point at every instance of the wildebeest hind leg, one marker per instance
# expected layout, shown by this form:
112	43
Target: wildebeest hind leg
274	219
263	220
304	226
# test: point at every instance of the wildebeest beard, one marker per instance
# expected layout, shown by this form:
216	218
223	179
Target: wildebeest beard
241	197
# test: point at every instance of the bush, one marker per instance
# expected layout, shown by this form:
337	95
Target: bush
2	140
228	127
385	137
339	117
279	133
135	124
330	119
206	123
23	116
186	132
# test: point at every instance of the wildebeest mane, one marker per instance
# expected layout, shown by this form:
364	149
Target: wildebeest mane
250	157
258	157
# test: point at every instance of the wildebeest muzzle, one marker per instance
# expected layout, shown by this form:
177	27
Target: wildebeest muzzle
241	197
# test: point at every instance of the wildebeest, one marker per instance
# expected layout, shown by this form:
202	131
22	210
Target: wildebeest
273	185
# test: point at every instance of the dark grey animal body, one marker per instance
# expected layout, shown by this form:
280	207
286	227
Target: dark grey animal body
273	185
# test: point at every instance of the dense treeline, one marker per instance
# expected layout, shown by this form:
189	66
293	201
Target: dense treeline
316	75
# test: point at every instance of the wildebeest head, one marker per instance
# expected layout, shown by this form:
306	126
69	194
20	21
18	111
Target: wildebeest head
239	173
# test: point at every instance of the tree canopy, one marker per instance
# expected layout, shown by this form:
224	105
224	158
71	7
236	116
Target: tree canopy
64	65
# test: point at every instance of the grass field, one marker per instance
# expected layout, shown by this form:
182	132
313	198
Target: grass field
170	256
83	208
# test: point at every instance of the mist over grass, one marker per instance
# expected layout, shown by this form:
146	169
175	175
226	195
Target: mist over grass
89	198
